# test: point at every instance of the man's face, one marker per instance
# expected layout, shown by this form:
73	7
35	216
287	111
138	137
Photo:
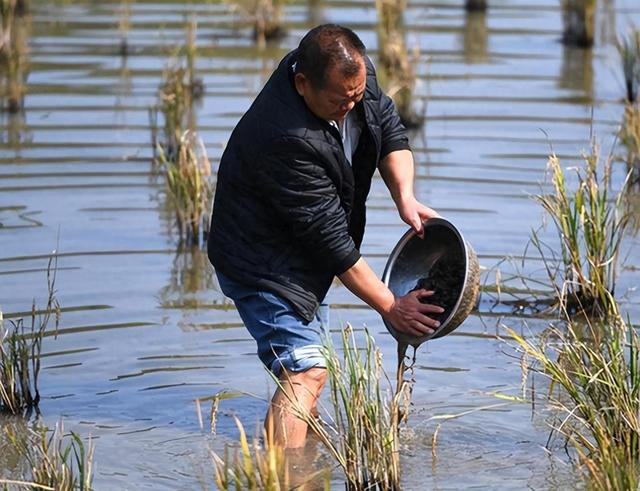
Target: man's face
337	97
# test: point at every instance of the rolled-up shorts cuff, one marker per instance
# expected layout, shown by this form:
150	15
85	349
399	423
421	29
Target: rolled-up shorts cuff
299	359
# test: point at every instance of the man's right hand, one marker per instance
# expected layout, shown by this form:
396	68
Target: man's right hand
410	316
406	314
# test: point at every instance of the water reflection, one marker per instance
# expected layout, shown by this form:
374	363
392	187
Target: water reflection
606	21
191	280
14	71
576	72
475	37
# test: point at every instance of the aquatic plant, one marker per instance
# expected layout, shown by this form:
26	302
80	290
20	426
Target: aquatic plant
589	228
396	67
188	187
475	5
629	49
578	18
179	152
258	466
56	462
175	103
630	138
361	429
594	380
265	16
20	347
7	16
178	91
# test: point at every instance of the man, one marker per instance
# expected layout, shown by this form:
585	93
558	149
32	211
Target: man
289	210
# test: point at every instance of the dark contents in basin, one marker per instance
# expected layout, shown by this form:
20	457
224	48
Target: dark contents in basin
445	278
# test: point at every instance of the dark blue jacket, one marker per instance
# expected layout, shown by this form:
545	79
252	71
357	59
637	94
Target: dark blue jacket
289	209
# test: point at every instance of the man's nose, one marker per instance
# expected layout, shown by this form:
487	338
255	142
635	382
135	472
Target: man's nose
347	106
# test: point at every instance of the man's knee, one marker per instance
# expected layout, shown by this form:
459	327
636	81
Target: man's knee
313	379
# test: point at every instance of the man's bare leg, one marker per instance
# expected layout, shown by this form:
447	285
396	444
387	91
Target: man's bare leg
305	387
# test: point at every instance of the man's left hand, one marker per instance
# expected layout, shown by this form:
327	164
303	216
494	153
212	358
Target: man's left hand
414	214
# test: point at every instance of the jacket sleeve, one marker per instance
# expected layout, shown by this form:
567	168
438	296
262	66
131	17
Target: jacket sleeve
303	196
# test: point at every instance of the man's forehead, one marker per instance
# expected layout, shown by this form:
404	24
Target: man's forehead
337	82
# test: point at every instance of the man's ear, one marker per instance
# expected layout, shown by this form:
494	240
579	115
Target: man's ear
301	82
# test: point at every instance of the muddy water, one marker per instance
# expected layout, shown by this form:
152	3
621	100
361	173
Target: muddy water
145	331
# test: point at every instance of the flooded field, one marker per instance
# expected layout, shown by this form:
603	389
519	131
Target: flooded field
145	331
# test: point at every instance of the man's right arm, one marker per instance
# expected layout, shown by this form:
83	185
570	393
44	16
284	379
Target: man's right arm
406	314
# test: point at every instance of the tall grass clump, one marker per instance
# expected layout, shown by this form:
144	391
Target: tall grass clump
594	380
361	430
266	18
396	66
578	18
20	347
178	152
254	466
188	187
56	461
590	228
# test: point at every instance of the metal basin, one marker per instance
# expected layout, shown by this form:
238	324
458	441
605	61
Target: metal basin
452	264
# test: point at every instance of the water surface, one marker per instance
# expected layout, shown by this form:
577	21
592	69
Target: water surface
145	330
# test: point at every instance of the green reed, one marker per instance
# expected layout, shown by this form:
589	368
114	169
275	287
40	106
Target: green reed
255	467
578	18
362	428
20	347
396	66
178	151
595	384
629	49
590	228
55	461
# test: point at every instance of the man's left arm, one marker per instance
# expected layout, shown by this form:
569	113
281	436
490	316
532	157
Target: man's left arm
397	172
397	168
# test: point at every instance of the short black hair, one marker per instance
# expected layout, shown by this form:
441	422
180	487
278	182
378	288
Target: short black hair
327	46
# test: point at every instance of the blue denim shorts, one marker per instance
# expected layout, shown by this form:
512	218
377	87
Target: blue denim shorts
283	337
